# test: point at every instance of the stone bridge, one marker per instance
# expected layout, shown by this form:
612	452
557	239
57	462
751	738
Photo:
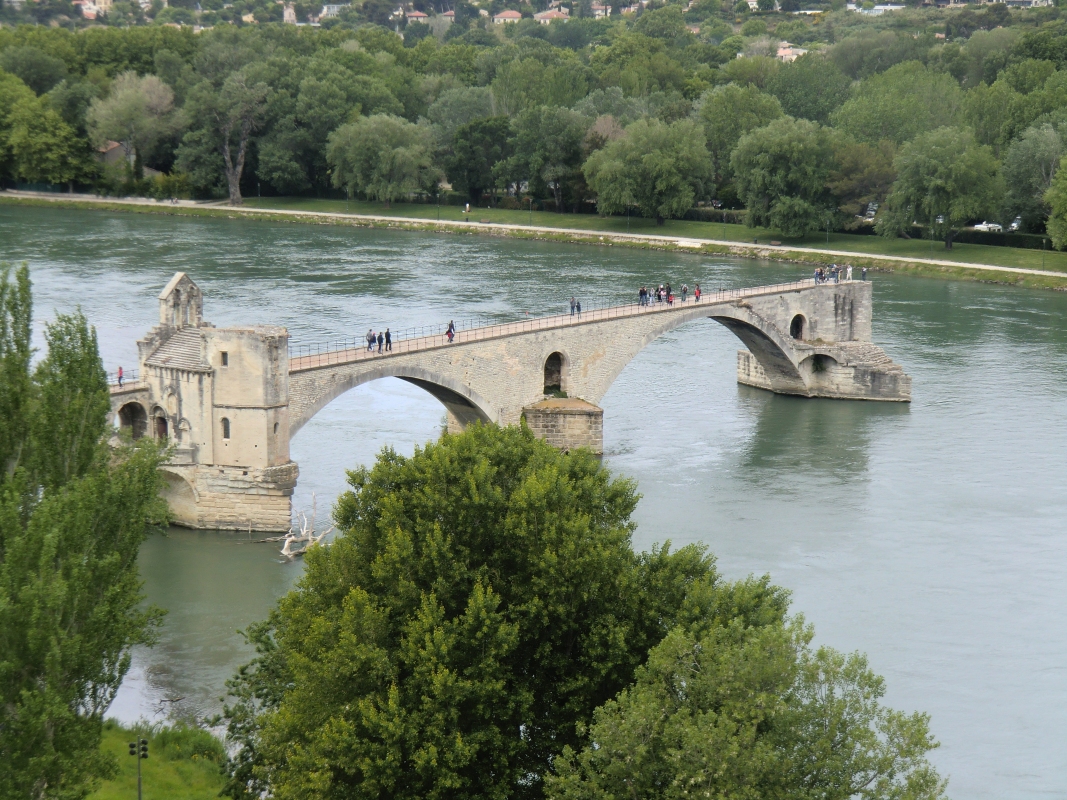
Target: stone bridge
229	399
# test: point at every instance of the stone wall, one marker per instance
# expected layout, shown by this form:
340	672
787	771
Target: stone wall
567	424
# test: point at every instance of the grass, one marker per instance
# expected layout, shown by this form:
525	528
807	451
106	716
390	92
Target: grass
870	245
182	764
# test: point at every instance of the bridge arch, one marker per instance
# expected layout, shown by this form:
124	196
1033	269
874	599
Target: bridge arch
181	497
765	341
464	405
133	416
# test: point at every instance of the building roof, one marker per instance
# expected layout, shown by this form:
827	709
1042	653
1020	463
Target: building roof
508	14
449	14
181	351
550	15
416	15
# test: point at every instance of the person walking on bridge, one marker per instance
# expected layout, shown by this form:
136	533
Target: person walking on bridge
848	273
685	291
381	341
696	294
388	340
572	306
451	332
578	308
120	377
370	340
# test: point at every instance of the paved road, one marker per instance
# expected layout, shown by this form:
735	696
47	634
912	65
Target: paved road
740	248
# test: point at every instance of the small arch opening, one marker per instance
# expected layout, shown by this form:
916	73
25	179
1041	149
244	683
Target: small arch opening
554	374
275	427
225	428
160	426
133	417
796	327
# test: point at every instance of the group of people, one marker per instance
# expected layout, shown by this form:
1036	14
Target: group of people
383	340
576	308
833	273
664	294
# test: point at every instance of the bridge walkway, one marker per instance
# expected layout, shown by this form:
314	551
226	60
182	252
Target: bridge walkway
311	357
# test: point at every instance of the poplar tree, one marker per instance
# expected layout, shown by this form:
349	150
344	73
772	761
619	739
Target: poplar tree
73	513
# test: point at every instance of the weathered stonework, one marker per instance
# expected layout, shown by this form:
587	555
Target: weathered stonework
567	423
230	399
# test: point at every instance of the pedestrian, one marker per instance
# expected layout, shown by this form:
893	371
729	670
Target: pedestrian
696	293
120	377
815	275
670	299
863	273
578	307
451	332
381	341
848	273
370	340
467	210
572	306
388	340
685	291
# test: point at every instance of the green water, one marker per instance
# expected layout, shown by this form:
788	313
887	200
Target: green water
930	536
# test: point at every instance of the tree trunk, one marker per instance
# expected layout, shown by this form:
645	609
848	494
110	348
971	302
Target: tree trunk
557	192
948	238
659	219
234	170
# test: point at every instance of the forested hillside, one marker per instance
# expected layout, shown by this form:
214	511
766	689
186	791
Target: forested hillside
942	118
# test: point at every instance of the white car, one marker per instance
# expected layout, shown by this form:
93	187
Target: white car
989	227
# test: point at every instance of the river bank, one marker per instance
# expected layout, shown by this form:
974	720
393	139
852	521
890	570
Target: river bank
682	237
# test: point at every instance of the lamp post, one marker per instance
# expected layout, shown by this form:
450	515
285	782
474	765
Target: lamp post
139	750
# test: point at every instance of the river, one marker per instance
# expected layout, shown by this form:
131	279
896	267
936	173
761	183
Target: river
930	536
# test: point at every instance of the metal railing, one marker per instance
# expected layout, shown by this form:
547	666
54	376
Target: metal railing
312	356
128	376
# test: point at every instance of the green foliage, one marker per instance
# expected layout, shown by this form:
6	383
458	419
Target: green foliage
781	172
728	113
37	69
730	709
137	113
1029	168
901	103
812	87
42	147
942	174
72	517
477	148
482	600
547	148
1056	197
658	168
383	157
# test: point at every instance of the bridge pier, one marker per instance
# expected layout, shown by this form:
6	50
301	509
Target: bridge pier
567	423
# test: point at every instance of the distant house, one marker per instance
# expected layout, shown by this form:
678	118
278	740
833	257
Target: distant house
112	153
289	15
450	16
548	17
600	11
789	53
506	16
332	10
416	16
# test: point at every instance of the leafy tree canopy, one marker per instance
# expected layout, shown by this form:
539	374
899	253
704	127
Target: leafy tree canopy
481	600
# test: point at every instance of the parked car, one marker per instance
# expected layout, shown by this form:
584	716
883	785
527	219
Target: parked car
1016	225
989	227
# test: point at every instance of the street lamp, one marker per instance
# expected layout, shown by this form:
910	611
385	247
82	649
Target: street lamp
139	750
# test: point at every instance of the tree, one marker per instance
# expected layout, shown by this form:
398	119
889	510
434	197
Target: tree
810	88
861	174
728	113
73	513
899	104
13	93
745	707
477	148
223	121
137	113
781	172
1029	168
457	107
482	599
661	169
1056	197
944	179
37	69
383	157
43	148
547	148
